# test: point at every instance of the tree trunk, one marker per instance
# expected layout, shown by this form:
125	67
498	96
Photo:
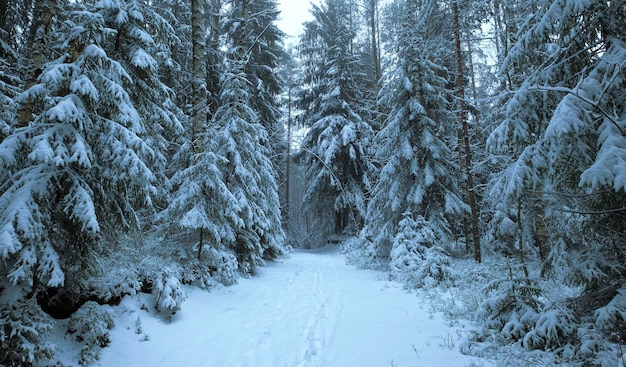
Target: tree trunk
373	9
288	161
465	131
200	243
522	258
214	56
4	7
199	97
45	12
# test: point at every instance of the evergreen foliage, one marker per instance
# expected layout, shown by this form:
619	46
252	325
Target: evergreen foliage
140	146
23	334
96	149
90	326
248	174
336	146
560	124
417	173
80	166
416	258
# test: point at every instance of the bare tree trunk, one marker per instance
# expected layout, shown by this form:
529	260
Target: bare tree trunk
373	10
199	97
465	130
45	12
199	90
213	56
288	162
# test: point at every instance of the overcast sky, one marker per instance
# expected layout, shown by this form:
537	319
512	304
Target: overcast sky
292	14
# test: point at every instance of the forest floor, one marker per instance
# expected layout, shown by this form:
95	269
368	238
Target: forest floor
308	309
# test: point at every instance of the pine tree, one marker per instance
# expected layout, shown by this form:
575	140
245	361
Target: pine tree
9	87
141	46
252	28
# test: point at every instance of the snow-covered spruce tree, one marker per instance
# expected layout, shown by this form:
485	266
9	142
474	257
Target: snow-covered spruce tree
418	173
247	171
23	334
78	168
204	214
335	148
90	326
416	258
251	25
569	154
142	44
10	59
9	87
201	210
518	120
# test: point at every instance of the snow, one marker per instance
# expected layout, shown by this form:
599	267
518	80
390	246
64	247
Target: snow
309	309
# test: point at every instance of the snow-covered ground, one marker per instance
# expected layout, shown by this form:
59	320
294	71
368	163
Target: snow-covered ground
309	309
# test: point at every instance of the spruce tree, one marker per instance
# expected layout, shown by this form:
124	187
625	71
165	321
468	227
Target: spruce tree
252	26
248	172
564	126
417	176
80	167
335	148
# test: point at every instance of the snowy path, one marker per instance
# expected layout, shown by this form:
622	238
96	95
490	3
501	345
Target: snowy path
307	310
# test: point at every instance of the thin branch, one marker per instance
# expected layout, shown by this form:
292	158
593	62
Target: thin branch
607	211
569	195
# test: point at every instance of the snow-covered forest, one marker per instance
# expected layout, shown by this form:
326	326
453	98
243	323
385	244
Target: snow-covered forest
476	146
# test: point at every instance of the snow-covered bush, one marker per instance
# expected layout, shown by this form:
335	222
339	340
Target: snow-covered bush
23	331
416	259
555	329
168	292
511	308
359	251
599	350
90	325
437	268
612	317
222	265
214	266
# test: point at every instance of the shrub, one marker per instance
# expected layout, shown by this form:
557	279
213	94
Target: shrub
416	258
23	334
511	307
168	292
91	325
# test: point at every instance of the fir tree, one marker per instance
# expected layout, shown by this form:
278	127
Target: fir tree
564	124
141	46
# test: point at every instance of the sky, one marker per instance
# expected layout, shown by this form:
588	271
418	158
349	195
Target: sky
293	14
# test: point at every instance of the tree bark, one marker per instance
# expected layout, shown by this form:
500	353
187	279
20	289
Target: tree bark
288	161
465	131
373	10
45	13
199	92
